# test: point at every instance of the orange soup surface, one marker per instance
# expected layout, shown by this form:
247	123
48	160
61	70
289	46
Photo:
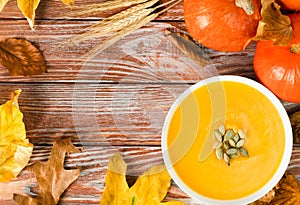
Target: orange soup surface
245	108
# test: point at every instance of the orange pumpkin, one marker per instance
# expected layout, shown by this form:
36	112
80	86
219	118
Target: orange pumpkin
220	24
290	4
278	67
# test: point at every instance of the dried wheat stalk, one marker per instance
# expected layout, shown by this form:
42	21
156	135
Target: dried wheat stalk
104	6
130	28
117	21
117	36
120	24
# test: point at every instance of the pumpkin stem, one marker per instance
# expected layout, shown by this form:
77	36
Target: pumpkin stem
295	48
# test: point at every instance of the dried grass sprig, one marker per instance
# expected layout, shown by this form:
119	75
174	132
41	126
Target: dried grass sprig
117	22
129	28
104	6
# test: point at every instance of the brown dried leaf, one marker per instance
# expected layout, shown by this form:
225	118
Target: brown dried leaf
20	57
295	122
188	46
274	25
265	200
53	179
288	192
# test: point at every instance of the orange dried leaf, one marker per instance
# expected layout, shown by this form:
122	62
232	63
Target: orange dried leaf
15	149
20	57
274	25
288	192
53	179
295	122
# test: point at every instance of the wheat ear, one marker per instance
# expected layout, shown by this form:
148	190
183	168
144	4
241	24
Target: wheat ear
128	29
104	6
134	14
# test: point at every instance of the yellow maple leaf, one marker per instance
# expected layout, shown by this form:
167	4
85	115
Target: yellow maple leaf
149	189
15	149
69	2
2	4
28	8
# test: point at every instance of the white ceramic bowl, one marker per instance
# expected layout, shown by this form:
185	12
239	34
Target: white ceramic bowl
284	161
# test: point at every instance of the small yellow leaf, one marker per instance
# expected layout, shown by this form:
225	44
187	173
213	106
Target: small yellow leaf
15	149
69	2
2	4
274	25
158	178
149	189
116	188
28	8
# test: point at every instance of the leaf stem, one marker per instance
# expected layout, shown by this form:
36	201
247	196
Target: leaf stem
295	48
132	200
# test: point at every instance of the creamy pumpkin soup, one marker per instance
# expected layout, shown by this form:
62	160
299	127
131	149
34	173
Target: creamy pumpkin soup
189	139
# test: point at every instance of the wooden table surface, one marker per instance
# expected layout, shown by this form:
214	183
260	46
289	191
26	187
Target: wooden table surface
116	101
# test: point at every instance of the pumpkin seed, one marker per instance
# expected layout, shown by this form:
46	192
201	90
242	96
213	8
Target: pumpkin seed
240	143
219	153
243	152
227	159
241	134
231	151
232	156
222	129
236	138
218	145
231	142
218	135
229	134
225	146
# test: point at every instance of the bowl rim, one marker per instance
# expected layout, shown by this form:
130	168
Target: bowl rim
287	148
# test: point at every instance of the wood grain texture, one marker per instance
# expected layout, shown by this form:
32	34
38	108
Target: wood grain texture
115	102
100	114
88	188
48	10
144	56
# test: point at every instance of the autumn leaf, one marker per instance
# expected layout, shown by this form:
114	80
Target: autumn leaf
149	189
53	179
15	149
295	122
20	57
274	25
69	2
28	8
2	4
288	192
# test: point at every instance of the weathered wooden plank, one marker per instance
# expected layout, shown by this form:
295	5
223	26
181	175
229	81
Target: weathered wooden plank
100	114
117	114
55	9
88	188
144	56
